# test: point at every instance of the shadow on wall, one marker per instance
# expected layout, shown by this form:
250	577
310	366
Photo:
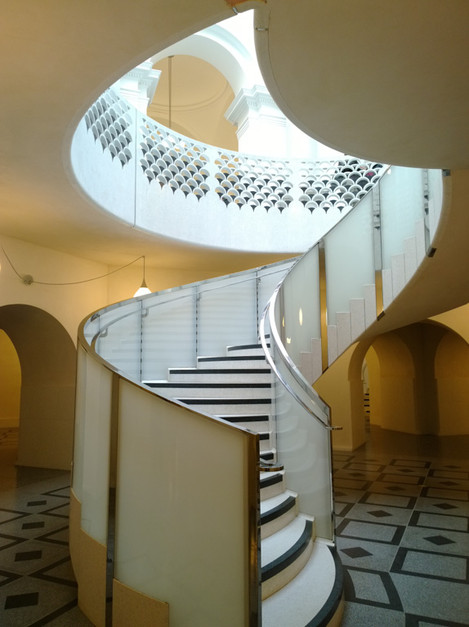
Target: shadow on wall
47	358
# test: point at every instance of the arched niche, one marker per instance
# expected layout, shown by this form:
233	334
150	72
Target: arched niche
452	378
47	357
392	374
10	383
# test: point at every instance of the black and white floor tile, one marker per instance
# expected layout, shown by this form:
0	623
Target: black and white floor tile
37	585
402	517
402	520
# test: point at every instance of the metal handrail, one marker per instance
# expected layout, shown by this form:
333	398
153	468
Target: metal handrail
290	365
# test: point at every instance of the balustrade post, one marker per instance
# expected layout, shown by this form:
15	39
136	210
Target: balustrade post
111	521
196	323
323	304
143	313
257	283
378	251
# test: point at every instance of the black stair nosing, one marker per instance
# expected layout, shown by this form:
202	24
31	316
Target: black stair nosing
245	418
283	561
201	385
197	371
225	401
266	455
272	479
232	358
277	511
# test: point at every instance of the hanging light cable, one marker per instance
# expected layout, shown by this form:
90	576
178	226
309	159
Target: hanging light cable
27	279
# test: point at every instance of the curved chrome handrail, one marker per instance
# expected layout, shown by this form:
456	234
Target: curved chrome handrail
290	365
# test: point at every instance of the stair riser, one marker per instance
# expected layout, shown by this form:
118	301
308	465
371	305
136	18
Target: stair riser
272	490
268	529
235	352
228	362
272	585
199	376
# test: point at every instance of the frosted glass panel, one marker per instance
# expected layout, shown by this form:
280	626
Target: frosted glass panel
94	417
169	335
120	344
227	314
349	259
80	417
435	199
402	206
300	316
303	447
269	278
90	328
182	506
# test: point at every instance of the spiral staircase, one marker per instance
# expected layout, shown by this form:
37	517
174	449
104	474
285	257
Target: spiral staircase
169	372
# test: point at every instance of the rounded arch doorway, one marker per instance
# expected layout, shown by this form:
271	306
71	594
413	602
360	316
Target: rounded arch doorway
47	359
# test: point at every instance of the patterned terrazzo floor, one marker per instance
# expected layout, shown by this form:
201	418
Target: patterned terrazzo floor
402	518
37	586
402	507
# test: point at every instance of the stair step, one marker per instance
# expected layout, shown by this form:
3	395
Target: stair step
277	512
285	554
271	484
245	349
246	391
228	406
267	456
221	375
254	422
247	418
313	597
238	361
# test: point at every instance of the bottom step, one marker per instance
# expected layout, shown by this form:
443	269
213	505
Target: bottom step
313	598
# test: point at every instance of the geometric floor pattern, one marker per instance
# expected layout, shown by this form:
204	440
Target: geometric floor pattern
402	523
37	585
402	520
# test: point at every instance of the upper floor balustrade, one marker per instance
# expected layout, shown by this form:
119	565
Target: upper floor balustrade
161	181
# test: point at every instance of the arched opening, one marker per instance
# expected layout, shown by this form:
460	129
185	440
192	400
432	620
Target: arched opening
191	98
417	378
10	390
391	376
47	358
10	383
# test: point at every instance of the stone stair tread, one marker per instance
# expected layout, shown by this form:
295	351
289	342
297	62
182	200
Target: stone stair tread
239	361
276	545
308	596
276	501
277	475
271	483
244	417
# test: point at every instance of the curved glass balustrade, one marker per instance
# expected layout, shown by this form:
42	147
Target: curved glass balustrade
180	488
328	298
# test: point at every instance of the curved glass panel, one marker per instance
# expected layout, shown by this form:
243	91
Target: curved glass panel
181	508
